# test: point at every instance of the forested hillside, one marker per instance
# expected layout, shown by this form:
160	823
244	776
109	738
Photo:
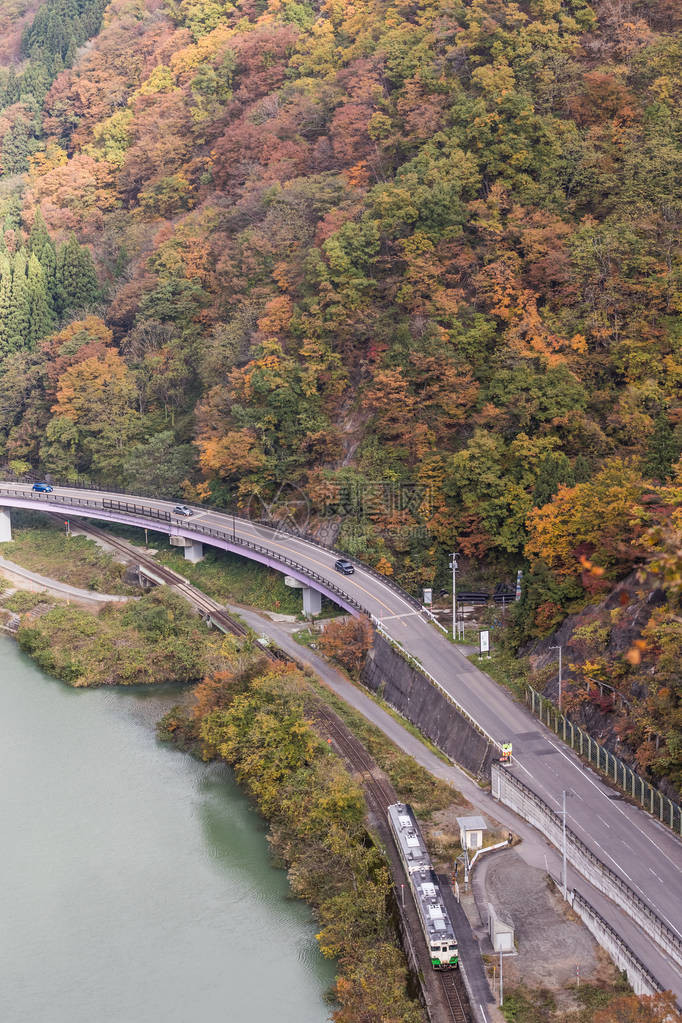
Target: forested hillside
419	260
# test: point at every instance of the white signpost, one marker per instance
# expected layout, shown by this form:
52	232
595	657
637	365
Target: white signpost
484	642
428	596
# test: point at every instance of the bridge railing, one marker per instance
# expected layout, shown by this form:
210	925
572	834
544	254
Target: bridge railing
273	524
155	515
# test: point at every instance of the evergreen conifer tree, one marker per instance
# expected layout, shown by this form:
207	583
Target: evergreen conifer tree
5	300
662	450
41	245
19	306
41	318
15	149
77	286
11	88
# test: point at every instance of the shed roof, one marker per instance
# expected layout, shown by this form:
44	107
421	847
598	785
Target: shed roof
472	824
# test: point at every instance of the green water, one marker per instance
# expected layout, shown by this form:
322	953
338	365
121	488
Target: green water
135	883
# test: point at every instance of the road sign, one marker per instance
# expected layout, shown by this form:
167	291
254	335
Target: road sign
484	642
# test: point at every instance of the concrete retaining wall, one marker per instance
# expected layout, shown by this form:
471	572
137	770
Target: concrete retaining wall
389	675
641	981
520	798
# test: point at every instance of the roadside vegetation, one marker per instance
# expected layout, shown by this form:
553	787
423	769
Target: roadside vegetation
595	1004
21	601
506	667
155	639
256	718
42	546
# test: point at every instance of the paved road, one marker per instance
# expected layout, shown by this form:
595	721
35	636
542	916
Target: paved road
634	845
39	583
535	849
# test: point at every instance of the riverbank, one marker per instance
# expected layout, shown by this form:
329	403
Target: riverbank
138	885
419	790
155	639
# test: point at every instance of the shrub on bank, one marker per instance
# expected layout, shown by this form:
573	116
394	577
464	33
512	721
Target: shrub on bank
152	640
317	813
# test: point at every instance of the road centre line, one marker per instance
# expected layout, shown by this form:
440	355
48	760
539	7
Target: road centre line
291	549
407	614
584	774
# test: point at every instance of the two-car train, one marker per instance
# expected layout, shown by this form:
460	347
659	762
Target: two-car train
433	915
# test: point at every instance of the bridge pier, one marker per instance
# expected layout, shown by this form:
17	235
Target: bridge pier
194	549
312	599
194	552
5	525
312	602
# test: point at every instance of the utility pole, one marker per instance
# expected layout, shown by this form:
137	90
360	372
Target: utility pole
501	991
453	566
560	682
563	849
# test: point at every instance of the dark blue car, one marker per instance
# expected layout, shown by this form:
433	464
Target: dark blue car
42	488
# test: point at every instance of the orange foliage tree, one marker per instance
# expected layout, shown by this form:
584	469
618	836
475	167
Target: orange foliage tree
347	642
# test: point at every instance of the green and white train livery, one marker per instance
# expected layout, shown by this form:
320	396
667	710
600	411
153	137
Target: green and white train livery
435	922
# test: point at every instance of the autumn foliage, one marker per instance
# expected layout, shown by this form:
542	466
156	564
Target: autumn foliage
347	642
421	264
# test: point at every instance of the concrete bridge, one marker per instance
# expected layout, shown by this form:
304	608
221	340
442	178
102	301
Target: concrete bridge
190	533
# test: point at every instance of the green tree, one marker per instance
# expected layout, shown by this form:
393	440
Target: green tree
15	149
160	463
662	452
77	285
40	315
554	469
41	245
5	301
19	319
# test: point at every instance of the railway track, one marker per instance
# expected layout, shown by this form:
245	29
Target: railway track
380	791
451	984
207	606
382	795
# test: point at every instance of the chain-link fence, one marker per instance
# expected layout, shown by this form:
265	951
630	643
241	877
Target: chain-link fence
611	766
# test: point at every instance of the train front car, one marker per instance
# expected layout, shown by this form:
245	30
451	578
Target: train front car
433	916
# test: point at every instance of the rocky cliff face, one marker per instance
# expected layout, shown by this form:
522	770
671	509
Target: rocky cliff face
615	675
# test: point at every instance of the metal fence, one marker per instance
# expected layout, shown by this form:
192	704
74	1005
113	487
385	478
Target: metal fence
550	823
81	483
615	769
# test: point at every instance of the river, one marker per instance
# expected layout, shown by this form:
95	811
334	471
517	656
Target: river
135	883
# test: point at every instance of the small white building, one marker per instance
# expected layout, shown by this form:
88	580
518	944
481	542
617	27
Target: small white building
501	931
471	832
